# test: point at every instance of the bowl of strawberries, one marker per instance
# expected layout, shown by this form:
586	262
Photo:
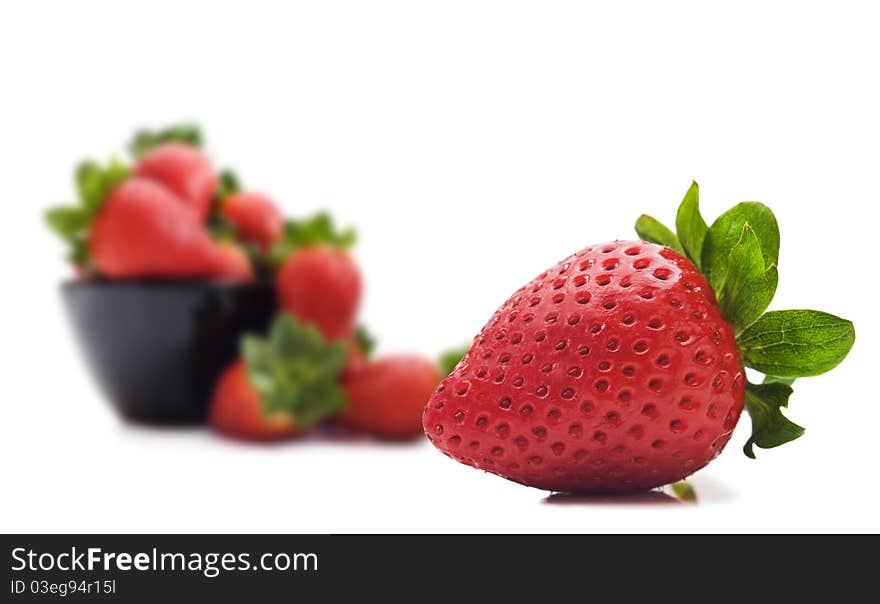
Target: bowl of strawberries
172	267
197	300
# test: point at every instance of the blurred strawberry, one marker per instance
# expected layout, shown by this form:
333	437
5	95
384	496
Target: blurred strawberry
237	409
321	286
143	231
255	217
318	282
185	171
386	397
282	385
234	264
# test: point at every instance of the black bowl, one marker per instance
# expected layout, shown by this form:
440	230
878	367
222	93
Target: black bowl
156	349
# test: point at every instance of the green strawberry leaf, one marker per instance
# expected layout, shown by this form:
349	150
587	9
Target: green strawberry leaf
775	379
315	230
67	221
146	140
652	230
296	371
796	343
94	182
748	286
726	232
366	341
690	226
89	177
228	184
78	255
770	428
450	358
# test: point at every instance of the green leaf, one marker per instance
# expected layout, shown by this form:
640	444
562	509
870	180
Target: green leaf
684	491
89	179
313	231
770	428
94	182
796	343
296	371
67	221
726	232
146	140
690	226
748	287
115	172
79	254
775	379
652	230
366	341
228	184
450	358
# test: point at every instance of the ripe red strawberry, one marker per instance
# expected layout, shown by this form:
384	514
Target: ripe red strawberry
256	218
236	409
386	396
185	171
281	386
321	286
612	370
143	231
617	369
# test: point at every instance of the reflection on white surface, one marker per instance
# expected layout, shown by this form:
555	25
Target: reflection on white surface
709	491
643	498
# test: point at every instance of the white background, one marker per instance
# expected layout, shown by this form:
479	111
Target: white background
473	144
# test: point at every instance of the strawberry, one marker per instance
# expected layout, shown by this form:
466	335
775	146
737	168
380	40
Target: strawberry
185	171
281	386
142	230
321	286
318	281
237	409
621	367
386	396
255	217
234	264
126	226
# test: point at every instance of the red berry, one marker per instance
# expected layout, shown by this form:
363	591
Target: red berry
183	170
321	286
256	218
233	264
611	371
236	409
144	231
386	397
